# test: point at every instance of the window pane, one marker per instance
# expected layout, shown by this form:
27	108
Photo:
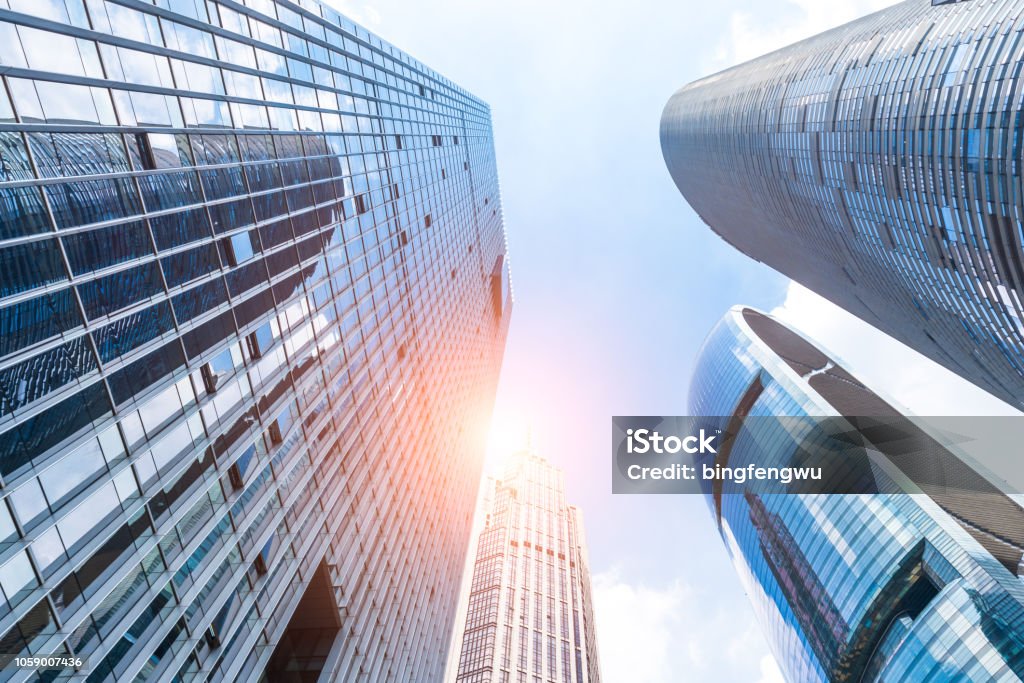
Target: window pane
22	212
199	300
92	201
145	372
27	266
71	154
189	265
60	423
130	332
73	473
114	292
32	321
170	190
13	156
180	228
30	380
96	249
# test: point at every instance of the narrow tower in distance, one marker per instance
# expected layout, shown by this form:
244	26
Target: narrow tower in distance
878	164
529	614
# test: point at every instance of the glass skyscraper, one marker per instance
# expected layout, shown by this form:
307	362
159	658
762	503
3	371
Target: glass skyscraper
529	612
879	164
253	299
871	585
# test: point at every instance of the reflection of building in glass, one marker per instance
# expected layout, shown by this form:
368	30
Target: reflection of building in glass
872	585
529	615
253	298
878	164
813	607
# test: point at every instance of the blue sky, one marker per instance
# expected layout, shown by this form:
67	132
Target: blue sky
617	282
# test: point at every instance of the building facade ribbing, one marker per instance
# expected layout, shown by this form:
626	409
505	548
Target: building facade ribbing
879	164
253	299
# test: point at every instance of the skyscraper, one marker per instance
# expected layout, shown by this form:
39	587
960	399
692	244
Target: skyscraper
253	299
529	614
872	585
879	164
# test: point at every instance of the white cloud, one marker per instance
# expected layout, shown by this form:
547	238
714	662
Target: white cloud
676	632
770	672
915	382
775	25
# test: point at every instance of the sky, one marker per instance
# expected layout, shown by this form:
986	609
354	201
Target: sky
617	282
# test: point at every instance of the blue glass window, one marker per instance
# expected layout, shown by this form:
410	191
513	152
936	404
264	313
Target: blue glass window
114	292
37	435
189	265
97	249
72	154
28	381
256	147
294	172
13	158
200	299
92	201
32	321
177	229
276	233
22	212
263	177
269	205
299	198
135	378
246	277
27	266
130	332
215	149
221	183
170	190
231	215
209	334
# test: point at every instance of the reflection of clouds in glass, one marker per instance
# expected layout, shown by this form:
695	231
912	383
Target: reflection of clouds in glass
128	23
62	102
145	69
54	52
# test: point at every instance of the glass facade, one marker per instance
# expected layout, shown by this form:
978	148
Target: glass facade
253	299
879	164
864	586
529	611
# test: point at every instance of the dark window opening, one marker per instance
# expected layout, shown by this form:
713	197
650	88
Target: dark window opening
302	651
145	151
427	221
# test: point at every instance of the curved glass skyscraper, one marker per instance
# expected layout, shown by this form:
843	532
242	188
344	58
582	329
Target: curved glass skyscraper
253	300
879	164
865	586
